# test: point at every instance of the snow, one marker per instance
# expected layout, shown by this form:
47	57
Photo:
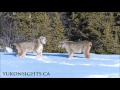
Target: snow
57	65
8	49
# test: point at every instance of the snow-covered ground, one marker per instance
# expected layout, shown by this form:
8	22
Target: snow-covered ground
57	65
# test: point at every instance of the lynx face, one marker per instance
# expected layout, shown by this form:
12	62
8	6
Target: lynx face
61	45
42	39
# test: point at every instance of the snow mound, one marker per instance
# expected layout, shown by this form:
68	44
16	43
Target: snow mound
8	49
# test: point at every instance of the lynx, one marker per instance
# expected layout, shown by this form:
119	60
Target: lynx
76	47
35	46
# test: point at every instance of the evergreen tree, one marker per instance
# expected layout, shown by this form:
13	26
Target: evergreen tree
31	25
96	27
102	28
55	34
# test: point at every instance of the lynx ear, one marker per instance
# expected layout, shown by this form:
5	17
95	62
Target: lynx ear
41	37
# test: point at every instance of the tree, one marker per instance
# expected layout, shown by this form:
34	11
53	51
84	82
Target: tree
26	26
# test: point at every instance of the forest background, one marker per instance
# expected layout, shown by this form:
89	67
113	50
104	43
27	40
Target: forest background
101	28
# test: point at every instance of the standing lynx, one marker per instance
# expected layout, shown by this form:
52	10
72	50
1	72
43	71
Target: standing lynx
35	46
76	47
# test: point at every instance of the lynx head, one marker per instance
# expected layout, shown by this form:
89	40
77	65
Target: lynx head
42	39
62	43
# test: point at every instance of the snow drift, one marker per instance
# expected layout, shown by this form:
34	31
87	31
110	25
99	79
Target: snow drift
57	65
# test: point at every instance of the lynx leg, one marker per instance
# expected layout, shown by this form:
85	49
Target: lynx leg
70	54
20	51
21	54
40	52
36	52
87	55
87	50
